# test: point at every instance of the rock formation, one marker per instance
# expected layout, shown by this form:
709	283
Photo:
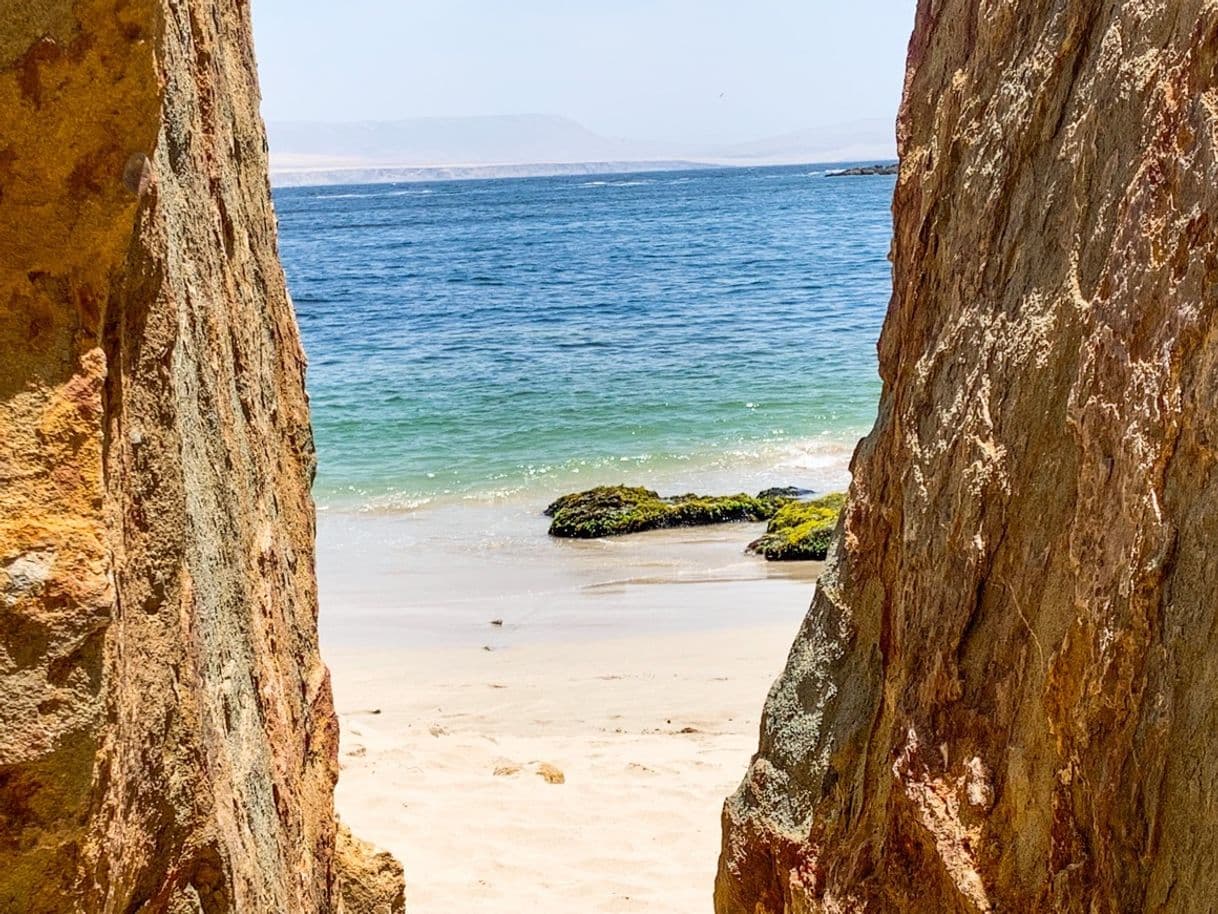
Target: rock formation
864	171
167	739
1005	694
617	510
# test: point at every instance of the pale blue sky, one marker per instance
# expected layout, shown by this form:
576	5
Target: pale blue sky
688	70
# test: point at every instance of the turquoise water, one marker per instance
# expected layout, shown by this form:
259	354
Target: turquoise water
486	338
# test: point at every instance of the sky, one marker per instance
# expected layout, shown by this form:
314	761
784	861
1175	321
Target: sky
712	71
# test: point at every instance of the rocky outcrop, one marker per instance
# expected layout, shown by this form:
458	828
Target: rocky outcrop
800	530
369	881
616	510
167	740
1003	697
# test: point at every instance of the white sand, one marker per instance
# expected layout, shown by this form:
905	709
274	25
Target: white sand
637	666
651	733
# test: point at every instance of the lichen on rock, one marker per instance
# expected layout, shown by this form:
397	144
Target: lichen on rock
1002	696
167	736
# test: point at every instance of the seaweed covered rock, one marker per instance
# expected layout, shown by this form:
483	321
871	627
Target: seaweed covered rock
784	492
800	530
612	510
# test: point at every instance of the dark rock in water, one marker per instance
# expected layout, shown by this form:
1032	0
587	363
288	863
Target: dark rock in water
785	492
612	510
863	170
801	530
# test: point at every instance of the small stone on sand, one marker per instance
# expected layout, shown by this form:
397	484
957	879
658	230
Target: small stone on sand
551	774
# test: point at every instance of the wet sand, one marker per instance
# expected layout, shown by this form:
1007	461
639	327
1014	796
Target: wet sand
636	667
439	577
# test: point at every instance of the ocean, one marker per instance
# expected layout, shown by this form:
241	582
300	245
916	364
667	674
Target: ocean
475	341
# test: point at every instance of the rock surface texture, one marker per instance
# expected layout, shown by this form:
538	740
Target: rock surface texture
167	739
1005	694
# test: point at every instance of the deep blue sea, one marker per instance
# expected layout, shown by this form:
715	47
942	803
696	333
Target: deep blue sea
487	338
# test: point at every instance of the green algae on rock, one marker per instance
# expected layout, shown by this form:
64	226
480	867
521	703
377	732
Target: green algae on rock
613	510
800	530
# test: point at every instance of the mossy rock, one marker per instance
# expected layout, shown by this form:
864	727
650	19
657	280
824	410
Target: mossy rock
800	530
613	510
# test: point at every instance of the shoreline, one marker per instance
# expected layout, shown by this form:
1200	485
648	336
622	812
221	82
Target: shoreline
289	175
818	463
576	755
443	579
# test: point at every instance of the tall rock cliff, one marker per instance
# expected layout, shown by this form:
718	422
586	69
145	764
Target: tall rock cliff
167	740
1005	694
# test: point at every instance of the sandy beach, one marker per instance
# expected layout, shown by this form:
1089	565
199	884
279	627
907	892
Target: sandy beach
443	753
635	668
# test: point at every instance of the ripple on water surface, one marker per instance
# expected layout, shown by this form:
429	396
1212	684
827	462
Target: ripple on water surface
493	338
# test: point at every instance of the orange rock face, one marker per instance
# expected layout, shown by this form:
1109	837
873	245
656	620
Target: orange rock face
1005	694
167	739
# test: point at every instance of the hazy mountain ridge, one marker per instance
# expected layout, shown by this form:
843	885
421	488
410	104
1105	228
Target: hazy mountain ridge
532	144
307	177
